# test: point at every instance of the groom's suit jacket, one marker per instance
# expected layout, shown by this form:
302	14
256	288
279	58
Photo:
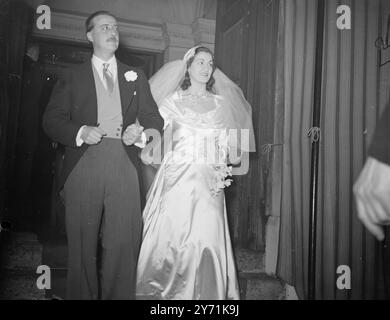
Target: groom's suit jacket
380	146
74	103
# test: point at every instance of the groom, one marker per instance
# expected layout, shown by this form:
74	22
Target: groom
93	113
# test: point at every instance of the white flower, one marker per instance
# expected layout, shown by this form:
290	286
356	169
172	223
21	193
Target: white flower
219	181
131	75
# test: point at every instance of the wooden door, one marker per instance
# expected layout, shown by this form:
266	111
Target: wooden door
245	49
15	23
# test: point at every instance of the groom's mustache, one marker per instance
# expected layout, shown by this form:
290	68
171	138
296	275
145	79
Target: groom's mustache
112	39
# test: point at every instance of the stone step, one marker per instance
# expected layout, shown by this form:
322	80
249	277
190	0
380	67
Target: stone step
259	286
255	284
20	285
20	250
22	254
249	261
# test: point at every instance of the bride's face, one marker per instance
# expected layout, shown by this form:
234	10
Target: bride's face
201	67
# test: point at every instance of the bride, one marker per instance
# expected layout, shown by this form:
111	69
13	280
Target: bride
186	252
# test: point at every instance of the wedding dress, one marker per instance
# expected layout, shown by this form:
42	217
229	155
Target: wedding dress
186	251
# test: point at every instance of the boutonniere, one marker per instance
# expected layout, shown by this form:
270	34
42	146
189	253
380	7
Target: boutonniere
131	76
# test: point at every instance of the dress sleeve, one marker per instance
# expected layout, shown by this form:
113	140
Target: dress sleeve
168	110
165	114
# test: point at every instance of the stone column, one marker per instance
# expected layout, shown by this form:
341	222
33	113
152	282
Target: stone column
178	39
203	31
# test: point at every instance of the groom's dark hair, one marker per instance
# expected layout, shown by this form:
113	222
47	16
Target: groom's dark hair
89	22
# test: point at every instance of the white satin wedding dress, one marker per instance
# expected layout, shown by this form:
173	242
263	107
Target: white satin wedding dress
186	251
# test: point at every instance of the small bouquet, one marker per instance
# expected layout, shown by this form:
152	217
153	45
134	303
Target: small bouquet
219	180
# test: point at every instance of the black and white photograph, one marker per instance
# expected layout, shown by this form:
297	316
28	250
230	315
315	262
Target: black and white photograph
202	150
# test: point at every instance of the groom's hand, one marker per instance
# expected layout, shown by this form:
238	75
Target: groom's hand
132	134
92	135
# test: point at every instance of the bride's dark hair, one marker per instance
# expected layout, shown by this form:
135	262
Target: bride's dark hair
187	81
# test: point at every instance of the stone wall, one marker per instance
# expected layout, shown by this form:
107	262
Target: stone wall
164	26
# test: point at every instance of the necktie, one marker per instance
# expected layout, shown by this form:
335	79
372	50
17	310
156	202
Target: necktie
108	77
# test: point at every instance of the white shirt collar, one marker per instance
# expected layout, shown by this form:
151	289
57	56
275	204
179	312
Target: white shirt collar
98	64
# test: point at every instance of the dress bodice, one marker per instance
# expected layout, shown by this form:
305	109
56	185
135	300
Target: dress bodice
198	134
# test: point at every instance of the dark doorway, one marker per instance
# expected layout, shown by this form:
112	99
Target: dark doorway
246	50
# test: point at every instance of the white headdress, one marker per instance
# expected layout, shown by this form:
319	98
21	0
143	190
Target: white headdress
237	112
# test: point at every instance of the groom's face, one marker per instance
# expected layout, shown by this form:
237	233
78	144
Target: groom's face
104	34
